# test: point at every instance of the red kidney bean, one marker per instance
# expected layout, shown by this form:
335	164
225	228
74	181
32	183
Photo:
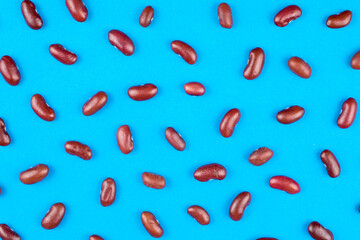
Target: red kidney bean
347	114
290	114
124	139
41	108
54	216
77	9
239	205
9	70
355	61
78	149
151	225
142	92
95	237
194	89
153	180
229	122
184	50
255	64
95	103
122	42
265	238
34	174
331	163
62	55
288	14
108	192
285	184
175	139
31	16
339	20
146	16
318	232
299	67
199	214
260	156
4	136
225	16
210	172
6	233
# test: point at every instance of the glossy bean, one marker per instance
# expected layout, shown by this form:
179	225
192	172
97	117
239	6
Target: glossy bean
95	237
299	67
194	89
54	216
4	136
331	163
152	180
339	20
239	205
62	54
175	139
210	172
318	232
255	64
78	149
260	156
77	9
285	184
199	214
151	225
121	42
286	15
108	192
347	114
6	233
290	114
229	122
34	174
9	70
355	61
124	139
95	103
146	16
31	16
41	108
185	51
225	15
142	92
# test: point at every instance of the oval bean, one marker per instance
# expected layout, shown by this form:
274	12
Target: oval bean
260	156
239	205
121	42
62	54
318	232
210	172
286	15
95	237
255	64
194	89
285	184
41	108
347	114
34	174
142	92
199	214
151	225
290	114
225	15
78	149
6	233
77	9
175	139
331	163
146	16
299	67
229	122
4	136
54	216
31	16
339	20
185	51
9	70
95	103
124	139
152	180
355	61
108	192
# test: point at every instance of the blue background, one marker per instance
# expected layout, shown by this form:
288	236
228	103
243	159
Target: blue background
222	57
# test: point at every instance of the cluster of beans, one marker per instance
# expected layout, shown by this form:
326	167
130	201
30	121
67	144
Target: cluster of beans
204	173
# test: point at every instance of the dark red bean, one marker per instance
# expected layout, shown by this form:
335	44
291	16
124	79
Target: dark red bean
285	184
78	149
31	16
153	180
4	136
299	67
95	103
34	174
255	64
266	238
239	205
288	14
122	42
210	172
62	55
41	108
331	163
95	237
260	156
339	20
9	70
108	192
347	114
184	50
151	225
318	232
199	214
225	16
175	139
142	92
146	16
6	233
54	216
77	9
229	122
290	114
124	139
355	61
194	89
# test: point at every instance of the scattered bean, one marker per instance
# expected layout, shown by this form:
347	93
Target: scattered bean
260	156
34	174
4	136
175	139
6	233
347	114
339	20
355	61
95	237
194	89
318	232
142	92
290	114
184	50
225	15
121	42
146	16
152	180
108	192
239	205
285	184
286	15
41	108
229	122
77	9
299	67
210	172
62	55
151	225
9	70
199	214
124	139
331	163
31	16
95	103
54	216
255	64
78	149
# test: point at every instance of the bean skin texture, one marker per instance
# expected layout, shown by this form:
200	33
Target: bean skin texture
229	122
6	233
339	20
255	64
286	15
225	15
152	180
34	174
194	89
355	61
199	214
146	16
78	149
347	114
41	108
31	16
299	67
239	205
260	156
185	51
62	55
290	114
54	216
285	184
121	42
9	70
151	225
210	172
142	92
108	192
95	237
175	139
4	136
331	163
318	232
124	139
77	9
95	103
